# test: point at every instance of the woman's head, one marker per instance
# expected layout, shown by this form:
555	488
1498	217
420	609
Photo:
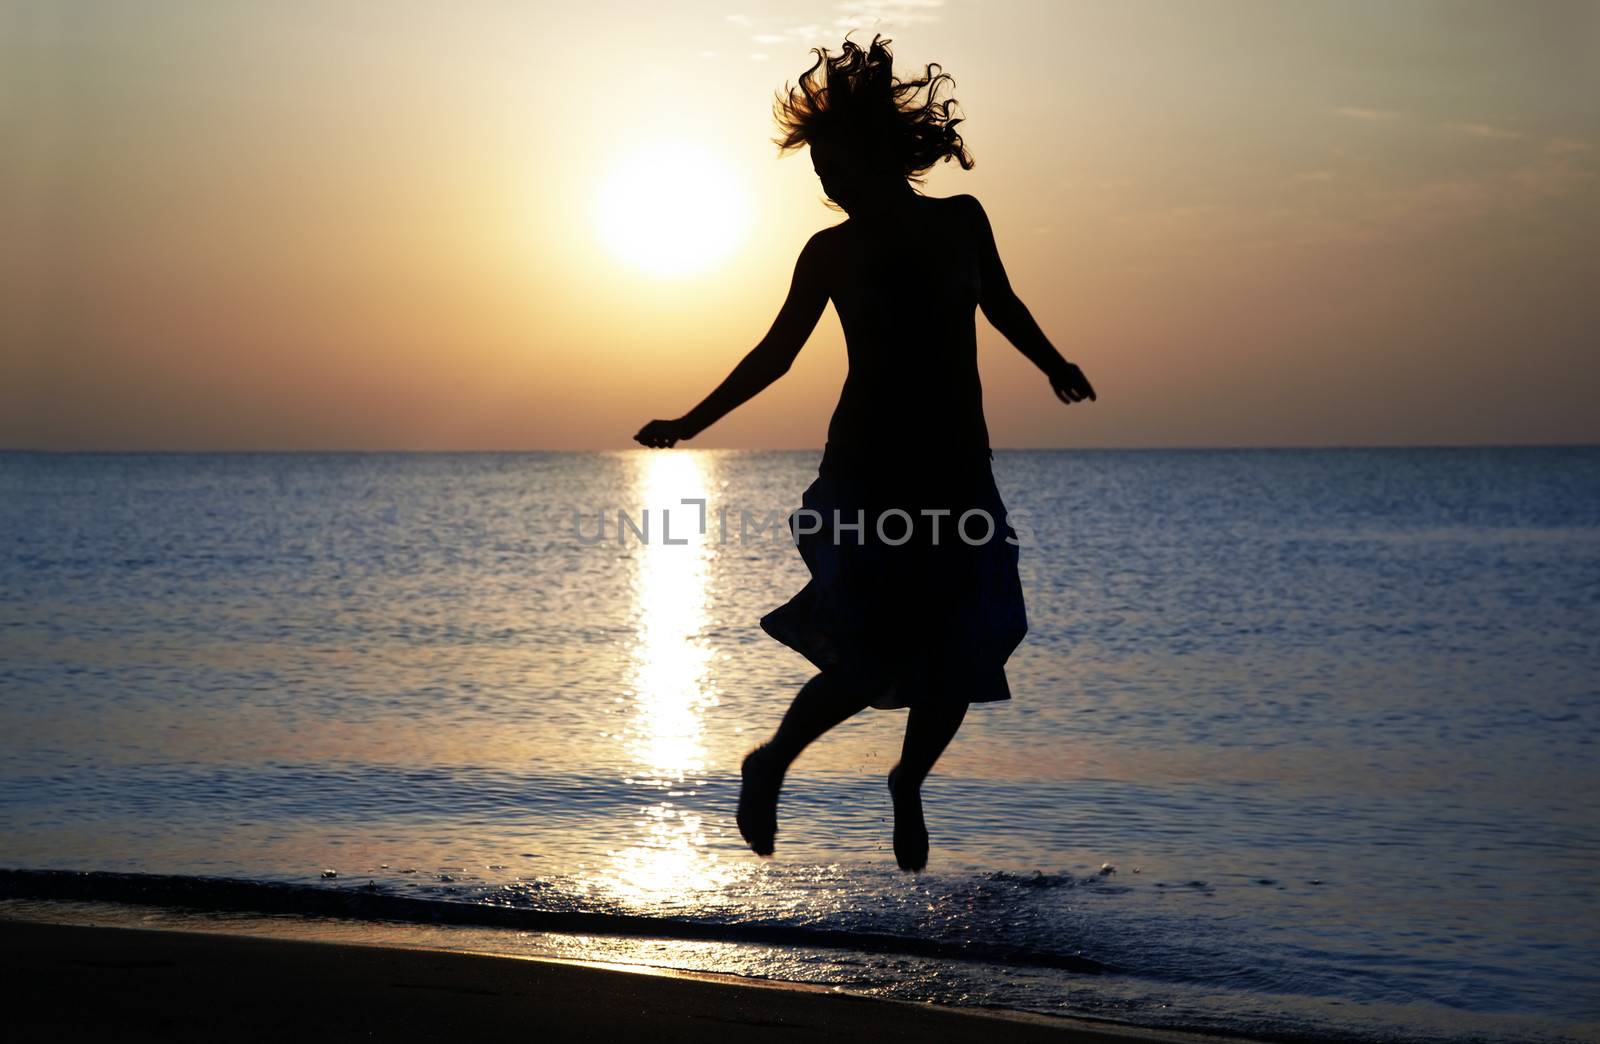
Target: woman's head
867	128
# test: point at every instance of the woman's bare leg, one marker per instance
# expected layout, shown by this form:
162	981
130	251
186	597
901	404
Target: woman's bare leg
820	704
929	730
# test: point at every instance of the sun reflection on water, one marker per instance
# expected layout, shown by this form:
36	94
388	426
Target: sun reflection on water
672	690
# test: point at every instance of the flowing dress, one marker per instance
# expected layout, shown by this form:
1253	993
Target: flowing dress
914	593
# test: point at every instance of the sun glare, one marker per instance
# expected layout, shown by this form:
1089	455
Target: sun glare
673	209
672	690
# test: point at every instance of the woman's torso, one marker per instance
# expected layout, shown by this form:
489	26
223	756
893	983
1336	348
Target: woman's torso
906	292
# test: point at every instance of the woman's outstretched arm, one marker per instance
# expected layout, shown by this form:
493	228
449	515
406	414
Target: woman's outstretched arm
766	362
1005	310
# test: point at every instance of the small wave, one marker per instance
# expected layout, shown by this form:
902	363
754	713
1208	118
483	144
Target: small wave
367	902
1037	879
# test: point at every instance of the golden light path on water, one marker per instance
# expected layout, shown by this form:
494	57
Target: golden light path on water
671	691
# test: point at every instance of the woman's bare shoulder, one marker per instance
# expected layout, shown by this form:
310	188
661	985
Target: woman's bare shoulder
963	212
827	241
833	233
962	202
961	215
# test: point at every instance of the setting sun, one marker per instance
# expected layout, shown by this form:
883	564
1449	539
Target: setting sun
671	209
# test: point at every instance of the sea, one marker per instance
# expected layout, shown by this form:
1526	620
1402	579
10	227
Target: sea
1302	743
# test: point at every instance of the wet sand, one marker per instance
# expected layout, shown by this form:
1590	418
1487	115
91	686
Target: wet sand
74	982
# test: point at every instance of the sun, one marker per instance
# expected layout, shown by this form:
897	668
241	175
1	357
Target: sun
672	209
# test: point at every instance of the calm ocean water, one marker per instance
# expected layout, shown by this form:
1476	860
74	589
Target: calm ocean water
1303	742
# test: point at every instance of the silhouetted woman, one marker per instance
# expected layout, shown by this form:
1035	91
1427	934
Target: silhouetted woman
914	599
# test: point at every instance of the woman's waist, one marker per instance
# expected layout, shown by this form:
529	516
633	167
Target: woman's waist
906	434
912	455
875	473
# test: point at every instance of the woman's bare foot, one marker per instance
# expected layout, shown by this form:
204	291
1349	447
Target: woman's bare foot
910	830
758	801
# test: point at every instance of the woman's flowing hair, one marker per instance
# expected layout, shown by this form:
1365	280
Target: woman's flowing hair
855	99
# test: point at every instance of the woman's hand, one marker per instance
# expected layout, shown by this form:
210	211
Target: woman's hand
1071	385
662	434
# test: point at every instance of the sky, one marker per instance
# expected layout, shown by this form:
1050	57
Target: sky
413	226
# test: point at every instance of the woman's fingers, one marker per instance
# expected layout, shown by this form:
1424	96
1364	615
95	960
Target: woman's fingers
1073	387
657	435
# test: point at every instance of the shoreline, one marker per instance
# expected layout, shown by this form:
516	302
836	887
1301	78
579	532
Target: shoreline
263	980
226	895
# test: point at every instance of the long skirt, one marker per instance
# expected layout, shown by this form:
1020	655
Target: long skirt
914	595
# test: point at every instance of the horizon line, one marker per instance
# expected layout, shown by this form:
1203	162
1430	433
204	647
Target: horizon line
1210	448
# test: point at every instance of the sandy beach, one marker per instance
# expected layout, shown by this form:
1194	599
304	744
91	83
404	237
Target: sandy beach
126	984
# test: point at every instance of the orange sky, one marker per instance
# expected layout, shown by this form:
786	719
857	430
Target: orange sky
377	226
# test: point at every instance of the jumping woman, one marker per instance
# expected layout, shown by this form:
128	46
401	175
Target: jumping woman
914	599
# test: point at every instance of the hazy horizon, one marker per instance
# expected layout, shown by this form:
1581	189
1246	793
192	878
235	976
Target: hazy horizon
531	451
351	227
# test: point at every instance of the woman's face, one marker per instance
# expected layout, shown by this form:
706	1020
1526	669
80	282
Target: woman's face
839	176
